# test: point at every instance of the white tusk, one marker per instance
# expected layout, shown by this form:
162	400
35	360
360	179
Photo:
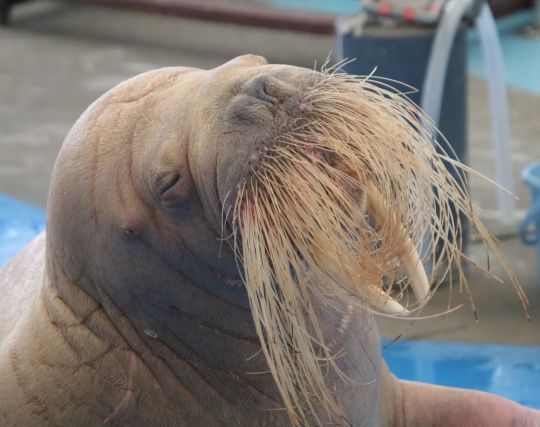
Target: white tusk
410	259
416	272
386	304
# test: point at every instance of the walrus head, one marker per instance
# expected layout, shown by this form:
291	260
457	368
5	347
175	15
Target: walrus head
275	187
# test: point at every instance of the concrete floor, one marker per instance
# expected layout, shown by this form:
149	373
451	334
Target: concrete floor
57	58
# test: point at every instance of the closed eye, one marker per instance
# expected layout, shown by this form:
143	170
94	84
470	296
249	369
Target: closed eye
168	182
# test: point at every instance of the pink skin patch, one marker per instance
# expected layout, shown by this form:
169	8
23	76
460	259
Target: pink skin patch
316	156
346	186
305	107
248	208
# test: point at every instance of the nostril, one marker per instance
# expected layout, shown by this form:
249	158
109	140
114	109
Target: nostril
263	95
259	88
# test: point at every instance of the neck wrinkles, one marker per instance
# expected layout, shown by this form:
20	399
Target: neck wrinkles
207	345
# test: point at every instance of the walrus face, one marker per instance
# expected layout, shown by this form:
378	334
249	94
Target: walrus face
279	191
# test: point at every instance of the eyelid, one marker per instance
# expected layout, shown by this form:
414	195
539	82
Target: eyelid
167	181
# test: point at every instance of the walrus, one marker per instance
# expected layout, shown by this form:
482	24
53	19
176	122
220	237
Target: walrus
218	243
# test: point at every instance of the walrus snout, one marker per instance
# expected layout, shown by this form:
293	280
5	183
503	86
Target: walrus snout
277	90
267	100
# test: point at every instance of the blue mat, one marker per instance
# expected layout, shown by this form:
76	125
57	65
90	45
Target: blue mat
19	223
509	371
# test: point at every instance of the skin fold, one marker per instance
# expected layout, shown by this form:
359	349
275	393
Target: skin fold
131	309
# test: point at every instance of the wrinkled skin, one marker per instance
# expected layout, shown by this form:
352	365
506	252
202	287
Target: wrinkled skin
130	311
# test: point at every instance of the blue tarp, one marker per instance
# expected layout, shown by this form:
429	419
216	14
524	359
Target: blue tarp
19	223
506	370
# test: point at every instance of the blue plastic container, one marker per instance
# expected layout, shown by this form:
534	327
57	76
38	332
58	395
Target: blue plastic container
530	227
402	53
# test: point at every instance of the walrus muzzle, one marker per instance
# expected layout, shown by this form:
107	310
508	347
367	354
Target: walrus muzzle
348	199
